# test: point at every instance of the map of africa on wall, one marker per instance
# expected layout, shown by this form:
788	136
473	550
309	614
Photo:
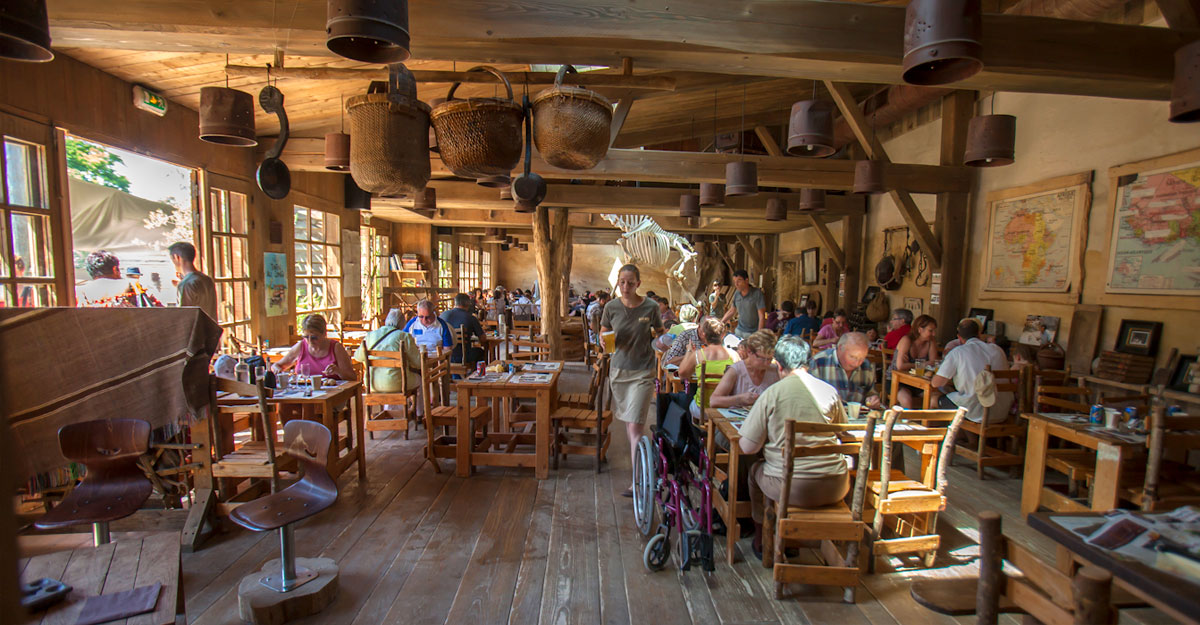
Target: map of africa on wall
1155	246
1034	236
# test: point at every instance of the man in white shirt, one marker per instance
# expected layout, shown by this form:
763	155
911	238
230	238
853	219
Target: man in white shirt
962	366
428	330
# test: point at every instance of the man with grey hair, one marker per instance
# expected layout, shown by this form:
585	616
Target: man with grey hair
427	330
846	367
390	338
898	327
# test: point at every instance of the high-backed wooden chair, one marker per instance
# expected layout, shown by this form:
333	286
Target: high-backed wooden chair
246	407
588	399
1168	485
584	430
1079	465
904	510
882	359
839	528
356	326
375	402
1036	588
440	415
705	386
996	426
538	349
114	486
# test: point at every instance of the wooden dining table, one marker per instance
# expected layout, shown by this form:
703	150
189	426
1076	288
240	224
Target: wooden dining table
920	382
500	446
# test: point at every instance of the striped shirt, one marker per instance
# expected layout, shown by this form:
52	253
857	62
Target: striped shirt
854	386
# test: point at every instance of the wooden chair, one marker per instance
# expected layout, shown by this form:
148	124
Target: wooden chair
438	413
533	349
998	427
253	459
905	511
1040	591
882	359
587	400
1079	465
387	419
584	430
1168	485
706	386
356	326
114	486
839	528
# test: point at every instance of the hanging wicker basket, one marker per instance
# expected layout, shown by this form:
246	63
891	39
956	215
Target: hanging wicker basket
571	125
389	145
479	137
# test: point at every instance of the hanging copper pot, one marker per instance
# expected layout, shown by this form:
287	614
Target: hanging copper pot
337	151
25	31
942	41
991	140
811	200
371	31
689	205
776	209
227	117
741	178
868	177
712	194
1185	90
810	129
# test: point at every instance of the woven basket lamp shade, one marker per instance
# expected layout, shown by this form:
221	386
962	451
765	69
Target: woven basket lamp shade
371	31
868	177
811	200
776	209
741	179
337	151
25	31
689	205
433	144
942	41
1185	90
810	129
991	140
425	199
712	194
227	117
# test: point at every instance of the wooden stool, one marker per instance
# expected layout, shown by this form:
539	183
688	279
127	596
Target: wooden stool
308	442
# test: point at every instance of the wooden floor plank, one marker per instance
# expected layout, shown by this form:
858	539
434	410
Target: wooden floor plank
787	611
572	588
527	596
735	595
85	575
614	603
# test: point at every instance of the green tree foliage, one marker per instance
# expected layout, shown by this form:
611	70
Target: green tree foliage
92	163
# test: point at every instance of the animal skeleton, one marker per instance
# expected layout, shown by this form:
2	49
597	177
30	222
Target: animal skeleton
644	241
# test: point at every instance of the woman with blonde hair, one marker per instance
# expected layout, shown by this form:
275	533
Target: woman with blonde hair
316	353
746	379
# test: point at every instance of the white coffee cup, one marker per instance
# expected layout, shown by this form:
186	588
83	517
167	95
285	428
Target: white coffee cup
282	380
1112	417
317	382
853	409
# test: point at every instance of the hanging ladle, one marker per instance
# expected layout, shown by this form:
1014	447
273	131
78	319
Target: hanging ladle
528	189
273	176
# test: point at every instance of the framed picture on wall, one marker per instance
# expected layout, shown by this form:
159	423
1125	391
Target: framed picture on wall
1185	371
1139	337
915	305
810	261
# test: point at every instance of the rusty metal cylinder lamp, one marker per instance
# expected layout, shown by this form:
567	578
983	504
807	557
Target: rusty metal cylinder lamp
522	206
371	31
991	140
811	200
712	194
776	209
227	117
868	177
1185	90
337	151
689	205
810	129
741	178
25	31
942	41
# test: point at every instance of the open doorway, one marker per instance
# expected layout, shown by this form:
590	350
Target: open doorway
126	209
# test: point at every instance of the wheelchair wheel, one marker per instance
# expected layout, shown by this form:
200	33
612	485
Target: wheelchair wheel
656	553
645	482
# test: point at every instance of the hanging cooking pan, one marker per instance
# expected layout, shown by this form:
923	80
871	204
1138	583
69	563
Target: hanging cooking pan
529	188
273	176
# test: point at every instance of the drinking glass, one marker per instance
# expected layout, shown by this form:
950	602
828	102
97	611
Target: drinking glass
919	366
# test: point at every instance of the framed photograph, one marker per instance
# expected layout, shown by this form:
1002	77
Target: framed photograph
982	315
810	261
916	305
1139	337
1185	371
1039	330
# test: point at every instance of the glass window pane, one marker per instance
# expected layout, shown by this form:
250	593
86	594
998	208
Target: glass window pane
240	262
225	309
317	220
333	265
29	295
302	302
301	223
216	208
220	269
237	213
332	228
239	301
3	257
5	296
31	245
24	172
317	294
302	259
317	256
245	286
333	292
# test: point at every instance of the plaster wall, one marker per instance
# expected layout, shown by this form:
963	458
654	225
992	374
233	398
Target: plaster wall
591	266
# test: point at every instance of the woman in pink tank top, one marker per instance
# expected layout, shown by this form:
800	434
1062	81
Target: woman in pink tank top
316	353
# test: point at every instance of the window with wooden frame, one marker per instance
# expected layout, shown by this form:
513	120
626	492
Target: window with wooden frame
376	275
469	274
318	249
228	229
26	246
445	274
485	265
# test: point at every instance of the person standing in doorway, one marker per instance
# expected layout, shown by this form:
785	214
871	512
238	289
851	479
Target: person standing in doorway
195	288
636	322
750	305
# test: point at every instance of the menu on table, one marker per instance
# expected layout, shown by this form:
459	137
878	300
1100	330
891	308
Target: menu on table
542	366
490	377
735	416
1144	537
532	378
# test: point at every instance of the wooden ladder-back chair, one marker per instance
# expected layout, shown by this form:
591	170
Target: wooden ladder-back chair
905	511
1079	465
1040	591
458	368
1045	377
387	419
255	458
585	430
882	359
1168	485
595	385
840	528
706	385
439	414
356	326
538	349
996	426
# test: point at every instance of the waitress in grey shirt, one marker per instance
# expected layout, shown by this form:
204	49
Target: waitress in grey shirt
636	321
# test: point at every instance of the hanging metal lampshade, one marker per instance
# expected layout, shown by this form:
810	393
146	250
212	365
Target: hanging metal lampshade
504	247
942	41
227	117
337	151
425	199
371	31
811	200
776	209
689	205
991	140
25	31
810	129
510	239
712	194
1185	90
524	247
523	206
741	178
868	177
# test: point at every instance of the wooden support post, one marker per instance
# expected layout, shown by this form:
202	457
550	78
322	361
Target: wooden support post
951	217
623	104
1180	14
769	142
549	252
852	243
991	569
1093	596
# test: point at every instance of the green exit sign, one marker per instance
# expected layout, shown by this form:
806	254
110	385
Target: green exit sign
149	101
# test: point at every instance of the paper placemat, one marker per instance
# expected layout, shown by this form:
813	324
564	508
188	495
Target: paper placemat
532	378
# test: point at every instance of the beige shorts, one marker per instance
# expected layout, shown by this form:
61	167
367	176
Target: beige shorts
632	391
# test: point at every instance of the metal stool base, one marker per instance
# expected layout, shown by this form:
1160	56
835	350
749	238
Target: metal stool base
277	583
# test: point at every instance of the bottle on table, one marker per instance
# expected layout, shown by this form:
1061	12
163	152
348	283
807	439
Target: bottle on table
242	371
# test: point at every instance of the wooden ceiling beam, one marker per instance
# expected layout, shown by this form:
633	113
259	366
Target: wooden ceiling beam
801	39
393	211
655	82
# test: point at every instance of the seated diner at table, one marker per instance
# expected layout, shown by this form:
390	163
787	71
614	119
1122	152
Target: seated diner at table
918	344
804	321
390	338
955	342
898	327
961	381
708	349
746	379
846	367
688	316
829	334
316	353
428	330
460	317
816	480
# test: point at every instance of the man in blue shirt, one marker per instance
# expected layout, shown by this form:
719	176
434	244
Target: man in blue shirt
805	321
460	317
427	330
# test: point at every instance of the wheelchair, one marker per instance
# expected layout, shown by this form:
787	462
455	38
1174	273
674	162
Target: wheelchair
671	471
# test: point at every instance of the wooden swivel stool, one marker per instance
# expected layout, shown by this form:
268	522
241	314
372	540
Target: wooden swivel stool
308	442
115	486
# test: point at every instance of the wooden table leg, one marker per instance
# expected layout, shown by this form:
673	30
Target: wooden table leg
895	390
329	420
733	529
542	462
1107	484
360	427
464	437
1035	467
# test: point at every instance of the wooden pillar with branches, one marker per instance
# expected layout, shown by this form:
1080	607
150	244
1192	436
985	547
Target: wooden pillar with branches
550	250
